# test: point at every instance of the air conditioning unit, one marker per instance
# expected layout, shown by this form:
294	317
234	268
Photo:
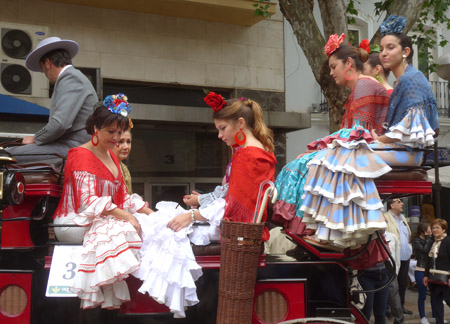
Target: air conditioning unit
17	41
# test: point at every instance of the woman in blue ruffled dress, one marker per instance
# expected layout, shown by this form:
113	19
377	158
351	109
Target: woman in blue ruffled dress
344	179
412	117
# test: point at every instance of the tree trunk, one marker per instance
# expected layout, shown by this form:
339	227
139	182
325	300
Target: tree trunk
299	14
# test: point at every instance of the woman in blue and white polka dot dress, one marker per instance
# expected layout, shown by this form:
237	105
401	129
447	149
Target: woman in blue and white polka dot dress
412	117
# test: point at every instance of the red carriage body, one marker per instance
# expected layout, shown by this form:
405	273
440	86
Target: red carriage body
316	286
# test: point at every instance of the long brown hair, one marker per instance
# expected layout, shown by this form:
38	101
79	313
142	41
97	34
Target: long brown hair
421	229
374	60
252	113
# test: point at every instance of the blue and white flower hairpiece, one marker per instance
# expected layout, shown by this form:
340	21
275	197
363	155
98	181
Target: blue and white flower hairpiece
117	104
393	25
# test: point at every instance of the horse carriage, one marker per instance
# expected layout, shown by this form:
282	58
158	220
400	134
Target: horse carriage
315	286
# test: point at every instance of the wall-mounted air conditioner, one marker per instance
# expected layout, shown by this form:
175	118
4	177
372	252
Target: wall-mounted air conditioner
17	41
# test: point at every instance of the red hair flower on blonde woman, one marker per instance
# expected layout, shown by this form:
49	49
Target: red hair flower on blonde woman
215	101
365	45
333	43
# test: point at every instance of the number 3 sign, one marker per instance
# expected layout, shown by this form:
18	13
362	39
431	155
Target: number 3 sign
64	267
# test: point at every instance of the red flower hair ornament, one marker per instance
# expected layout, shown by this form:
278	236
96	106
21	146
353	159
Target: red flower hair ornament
215	101
365	45
333	43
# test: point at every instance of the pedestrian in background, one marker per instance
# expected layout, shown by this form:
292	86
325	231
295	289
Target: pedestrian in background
421	244
398	225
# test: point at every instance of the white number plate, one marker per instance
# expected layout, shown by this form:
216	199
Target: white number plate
65	261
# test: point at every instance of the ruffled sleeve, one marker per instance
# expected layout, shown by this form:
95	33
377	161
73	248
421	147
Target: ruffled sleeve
208	198
91	205
413	130
133	203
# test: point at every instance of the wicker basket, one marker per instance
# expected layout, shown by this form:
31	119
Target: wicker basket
240	250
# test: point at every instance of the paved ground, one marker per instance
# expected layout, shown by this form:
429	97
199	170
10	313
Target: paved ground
411	304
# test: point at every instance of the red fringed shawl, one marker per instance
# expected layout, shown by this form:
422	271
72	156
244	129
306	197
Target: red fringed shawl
250	167
367	106
82	159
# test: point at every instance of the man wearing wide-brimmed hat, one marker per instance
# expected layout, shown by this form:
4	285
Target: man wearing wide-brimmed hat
71	104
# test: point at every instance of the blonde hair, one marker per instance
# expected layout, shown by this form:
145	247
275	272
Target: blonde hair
252	113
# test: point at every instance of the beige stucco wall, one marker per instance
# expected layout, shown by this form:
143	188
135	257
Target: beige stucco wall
146	47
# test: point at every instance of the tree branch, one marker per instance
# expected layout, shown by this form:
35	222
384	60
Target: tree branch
410	9
299	14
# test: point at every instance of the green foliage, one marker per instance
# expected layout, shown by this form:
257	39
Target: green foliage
382	6
434	13
262	8
351	10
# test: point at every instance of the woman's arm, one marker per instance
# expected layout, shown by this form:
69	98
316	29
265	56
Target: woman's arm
183	220
93	205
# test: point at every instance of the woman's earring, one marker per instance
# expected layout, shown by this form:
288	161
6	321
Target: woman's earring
404	59
352	75
117	144
379	79
240	138
94	136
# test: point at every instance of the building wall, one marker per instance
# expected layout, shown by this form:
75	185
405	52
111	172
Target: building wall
152	48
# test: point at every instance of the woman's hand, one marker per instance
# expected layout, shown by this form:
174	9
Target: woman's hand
383	138
126	216
145	210
374	135
133	221
179	222
425	281
192	200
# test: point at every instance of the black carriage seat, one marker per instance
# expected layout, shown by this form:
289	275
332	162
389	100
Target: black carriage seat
211	249
40	172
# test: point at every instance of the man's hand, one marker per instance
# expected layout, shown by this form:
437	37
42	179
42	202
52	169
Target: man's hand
28	140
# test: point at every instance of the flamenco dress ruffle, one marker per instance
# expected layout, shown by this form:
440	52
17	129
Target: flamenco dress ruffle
168	267
110	255
340	194
291	180
413	131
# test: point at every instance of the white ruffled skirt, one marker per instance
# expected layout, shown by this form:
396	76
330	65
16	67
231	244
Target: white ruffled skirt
168	267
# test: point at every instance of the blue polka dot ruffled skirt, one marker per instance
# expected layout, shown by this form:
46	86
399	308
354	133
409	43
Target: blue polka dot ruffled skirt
340	200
